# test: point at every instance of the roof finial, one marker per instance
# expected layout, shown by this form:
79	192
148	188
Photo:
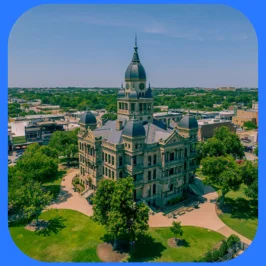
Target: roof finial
149	85
121	85
136	41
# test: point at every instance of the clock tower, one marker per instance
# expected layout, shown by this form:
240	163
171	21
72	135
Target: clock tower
135	98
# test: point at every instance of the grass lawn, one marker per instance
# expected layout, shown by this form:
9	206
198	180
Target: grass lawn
19	140
78	241
240	213
53	185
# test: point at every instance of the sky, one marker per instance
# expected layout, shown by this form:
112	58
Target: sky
92	45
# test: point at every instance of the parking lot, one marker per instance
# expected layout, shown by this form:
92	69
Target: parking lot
14	157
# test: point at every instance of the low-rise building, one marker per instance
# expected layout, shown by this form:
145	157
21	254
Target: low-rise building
166	117
243	116
255	105
207	127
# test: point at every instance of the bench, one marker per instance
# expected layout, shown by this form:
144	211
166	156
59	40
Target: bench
189	209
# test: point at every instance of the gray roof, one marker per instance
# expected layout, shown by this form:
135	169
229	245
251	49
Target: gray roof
134	128
188	121
153	132
87	118
135	70
133	94
148	93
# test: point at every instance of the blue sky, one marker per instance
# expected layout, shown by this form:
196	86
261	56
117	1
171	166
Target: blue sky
92	45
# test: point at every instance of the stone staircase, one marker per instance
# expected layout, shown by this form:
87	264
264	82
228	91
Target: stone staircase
86	193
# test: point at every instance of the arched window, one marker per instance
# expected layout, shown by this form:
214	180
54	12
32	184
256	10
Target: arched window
171	187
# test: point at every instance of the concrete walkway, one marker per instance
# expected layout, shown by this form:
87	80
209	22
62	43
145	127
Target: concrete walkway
205	216
68	199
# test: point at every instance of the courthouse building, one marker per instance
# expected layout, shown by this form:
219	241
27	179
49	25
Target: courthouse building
160	157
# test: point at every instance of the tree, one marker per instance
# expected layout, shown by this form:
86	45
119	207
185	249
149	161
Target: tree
256	151
34	164
31	198
249	125
223	172
124	219
65	143
176	229
249	172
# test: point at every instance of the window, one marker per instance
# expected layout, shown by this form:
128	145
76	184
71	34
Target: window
171	187
113	174
109	158
125	144
172	156
140	106
129	146
113	160
105	157
136	146
155	159
109	172
120	174
171	171
134	160
154	174
132	107
185	152
149	160
154	189
149	176
135	177
120	160
106	171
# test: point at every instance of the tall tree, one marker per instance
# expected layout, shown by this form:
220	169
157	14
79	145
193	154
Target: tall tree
31	197
176	229
223	172
124	219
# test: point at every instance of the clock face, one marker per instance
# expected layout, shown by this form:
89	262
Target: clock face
127	86
141	86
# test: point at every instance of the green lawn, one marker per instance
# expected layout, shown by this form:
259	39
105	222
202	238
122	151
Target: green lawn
53	185
78	241
19	140
240	213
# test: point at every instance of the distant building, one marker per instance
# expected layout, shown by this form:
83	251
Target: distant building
226	115
227	89
243	116
166	118
163	108
41	132
207	127
255	105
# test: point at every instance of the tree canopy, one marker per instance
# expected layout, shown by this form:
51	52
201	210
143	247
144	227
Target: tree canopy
124	219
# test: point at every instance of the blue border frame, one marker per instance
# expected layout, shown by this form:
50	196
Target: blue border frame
11	10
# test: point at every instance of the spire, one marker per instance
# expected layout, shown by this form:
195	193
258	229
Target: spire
121	85
149	85
135	55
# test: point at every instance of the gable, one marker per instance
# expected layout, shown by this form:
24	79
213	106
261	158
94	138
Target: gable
174	138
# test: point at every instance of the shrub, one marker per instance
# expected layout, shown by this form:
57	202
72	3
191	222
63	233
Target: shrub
232	239
216	254
223	248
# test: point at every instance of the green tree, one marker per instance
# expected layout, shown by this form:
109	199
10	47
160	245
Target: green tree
249	172
223	172
256	151
231	141
176	229
249	125
36	165
65	143
31	198
124	219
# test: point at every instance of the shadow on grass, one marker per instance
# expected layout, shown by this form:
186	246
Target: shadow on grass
184	243
146	249
240	208
51	226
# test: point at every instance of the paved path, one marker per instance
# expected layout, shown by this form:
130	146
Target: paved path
205	216
68	199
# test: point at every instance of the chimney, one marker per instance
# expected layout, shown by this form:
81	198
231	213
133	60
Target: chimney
119	125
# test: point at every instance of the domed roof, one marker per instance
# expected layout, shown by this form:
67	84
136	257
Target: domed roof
133	94
121	93
188	121
135	70
134	128
87	118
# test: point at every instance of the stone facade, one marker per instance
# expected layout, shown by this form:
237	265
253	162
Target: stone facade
161	158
